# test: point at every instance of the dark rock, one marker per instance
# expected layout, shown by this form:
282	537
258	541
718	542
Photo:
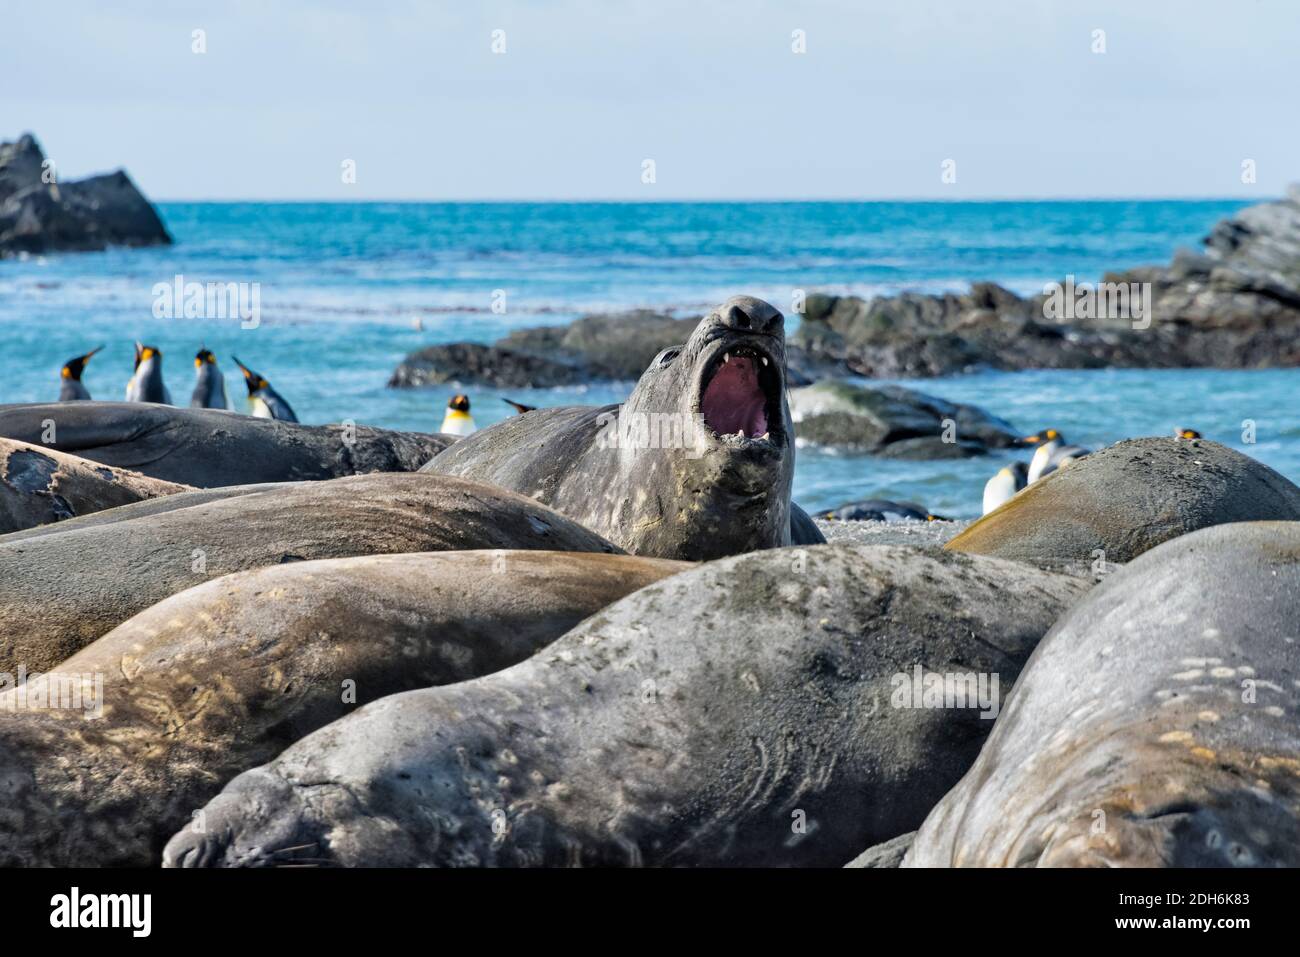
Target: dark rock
81	215
1234	305
594	348
469	363
895	422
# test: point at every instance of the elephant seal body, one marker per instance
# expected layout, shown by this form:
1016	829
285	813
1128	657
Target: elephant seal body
207	448
1118	502
39	486
739	713
60	592
1157	725
141	509
697	464
224	676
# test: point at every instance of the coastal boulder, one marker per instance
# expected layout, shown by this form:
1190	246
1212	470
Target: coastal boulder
80	215
894	422
1120	501
1157	724
751	711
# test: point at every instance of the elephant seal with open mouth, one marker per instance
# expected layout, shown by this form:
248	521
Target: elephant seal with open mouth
207	448
696	465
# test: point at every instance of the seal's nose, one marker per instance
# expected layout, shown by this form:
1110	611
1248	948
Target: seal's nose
746	314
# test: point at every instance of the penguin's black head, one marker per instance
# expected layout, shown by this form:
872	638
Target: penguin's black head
73	368
204	357
1186	434
459	403
254	381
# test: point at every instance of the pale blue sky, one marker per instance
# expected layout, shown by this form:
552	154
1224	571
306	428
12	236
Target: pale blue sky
708	89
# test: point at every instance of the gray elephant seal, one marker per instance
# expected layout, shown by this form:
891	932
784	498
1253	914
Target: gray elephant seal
210	447
1115	504
1156	726
745	712
140	509
39	486
222	677
697	464
60	592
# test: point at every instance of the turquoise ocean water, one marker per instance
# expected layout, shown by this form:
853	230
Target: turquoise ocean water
348	289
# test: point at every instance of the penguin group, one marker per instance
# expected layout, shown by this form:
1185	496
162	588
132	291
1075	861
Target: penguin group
146	384
1052	452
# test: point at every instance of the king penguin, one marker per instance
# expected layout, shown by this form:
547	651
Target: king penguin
72	388
458	421
1006	483
146	384
1052	453
266	402
209	384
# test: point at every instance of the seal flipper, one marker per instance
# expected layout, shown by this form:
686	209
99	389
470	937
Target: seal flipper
803	530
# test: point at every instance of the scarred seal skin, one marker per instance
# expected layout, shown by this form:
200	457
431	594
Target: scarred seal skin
1116	503
222	677
209	448
744	712
39	486
696	465
59	592
1155	726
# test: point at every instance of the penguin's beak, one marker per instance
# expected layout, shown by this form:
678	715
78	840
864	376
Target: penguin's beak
86	357
1032	439
251	378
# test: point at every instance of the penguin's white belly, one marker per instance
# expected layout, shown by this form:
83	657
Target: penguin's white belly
460	424
1000	488
260	409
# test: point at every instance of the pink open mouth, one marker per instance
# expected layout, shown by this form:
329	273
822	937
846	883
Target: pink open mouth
735	400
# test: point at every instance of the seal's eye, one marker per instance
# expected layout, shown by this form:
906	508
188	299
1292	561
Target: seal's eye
667	356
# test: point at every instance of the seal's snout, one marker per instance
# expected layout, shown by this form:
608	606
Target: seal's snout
747	314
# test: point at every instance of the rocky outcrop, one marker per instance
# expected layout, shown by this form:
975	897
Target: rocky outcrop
594	348
605	347
895	422
87	214
1234	305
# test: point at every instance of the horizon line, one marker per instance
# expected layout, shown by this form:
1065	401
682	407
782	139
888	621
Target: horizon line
701	201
